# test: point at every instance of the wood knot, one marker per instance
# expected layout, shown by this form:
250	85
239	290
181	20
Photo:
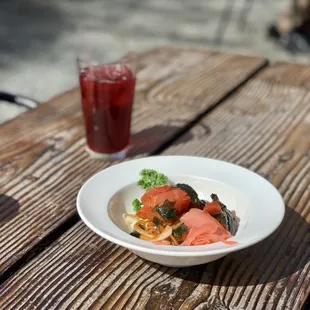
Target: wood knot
212	303
286	156
162	289
30	178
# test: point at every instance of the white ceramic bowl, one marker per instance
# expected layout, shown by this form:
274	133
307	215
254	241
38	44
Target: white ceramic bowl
104	198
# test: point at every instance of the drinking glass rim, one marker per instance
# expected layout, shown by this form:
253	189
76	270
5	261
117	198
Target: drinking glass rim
105	80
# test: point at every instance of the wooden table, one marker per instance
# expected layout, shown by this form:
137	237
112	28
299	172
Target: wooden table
231	107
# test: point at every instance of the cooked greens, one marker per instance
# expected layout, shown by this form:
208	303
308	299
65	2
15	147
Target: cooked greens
226	218
135	234
214	197
232	227
179	231
190	191
167	211
156	220
195	201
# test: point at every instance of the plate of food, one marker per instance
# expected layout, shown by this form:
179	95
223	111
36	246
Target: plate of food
180	210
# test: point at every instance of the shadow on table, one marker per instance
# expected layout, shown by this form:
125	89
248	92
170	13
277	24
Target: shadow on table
9	208
151	139
255	265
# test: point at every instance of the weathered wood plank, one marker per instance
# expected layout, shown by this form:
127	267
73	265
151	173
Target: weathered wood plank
265	127
43	161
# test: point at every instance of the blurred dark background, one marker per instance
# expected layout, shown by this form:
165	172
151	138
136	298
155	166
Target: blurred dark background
40	39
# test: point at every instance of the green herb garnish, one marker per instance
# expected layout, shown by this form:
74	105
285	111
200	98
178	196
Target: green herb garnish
167	211
179	231
135	234
151	178
137	205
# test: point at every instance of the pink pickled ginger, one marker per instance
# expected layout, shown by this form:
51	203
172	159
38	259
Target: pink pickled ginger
203	228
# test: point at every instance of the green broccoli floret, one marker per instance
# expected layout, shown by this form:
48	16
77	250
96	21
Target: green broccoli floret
151	178
137	205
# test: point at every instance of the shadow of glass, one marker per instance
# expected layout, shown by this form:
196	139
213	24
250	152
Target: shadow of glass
276	258
151	139
9	208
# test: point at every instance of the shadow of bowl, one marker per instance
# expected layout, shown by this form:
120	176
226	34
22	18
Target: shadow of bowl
9	208
276	258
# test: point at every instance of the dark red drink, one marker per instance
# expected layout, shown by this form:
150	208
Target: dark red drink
107	97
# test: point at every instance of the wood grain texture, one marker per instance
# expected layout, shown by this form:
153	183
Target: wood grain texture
265	127
43	162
